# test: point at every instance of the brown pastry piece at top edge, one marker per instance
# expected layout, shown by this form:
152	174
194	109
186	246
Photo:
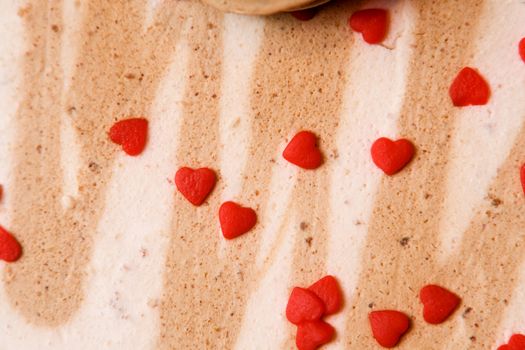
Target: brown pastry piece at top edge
263	7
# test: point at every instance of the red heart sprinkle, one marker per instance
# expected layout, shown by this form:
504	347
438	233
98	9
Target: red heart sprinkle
388	326
469	88
304	15
522	49
1	192
131	134
392	156
438	303
522	177
327	289
304	305
10	249
371	23
303	152
195	185
516	342
236	220
312	334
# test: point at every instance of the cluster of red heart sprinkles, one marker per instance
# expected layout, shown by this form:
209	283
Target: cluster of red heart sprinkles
388	326
516	342
196	184
236	220
469	88
306	308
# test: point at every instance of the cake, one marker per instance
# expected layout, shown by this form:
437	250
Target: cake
117	253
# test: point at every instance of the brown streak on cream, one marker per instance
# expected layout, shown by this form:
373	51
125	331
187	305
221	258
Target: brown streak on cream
392	275
486	270
198	295
206	295
46	284
294	89
311	195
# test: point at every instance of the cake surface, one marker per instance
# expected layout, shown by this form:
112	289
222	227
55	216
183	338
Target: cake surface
114	257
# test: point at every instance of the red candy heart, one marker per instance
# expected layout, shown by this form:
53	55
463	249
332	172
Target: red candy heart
469	88
312	334
516	342
522	177
371	23
131	134
327	289
10	249
303	152
195	185
392	156
304	15
388	326
304	305
236	220
522	49
438	303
